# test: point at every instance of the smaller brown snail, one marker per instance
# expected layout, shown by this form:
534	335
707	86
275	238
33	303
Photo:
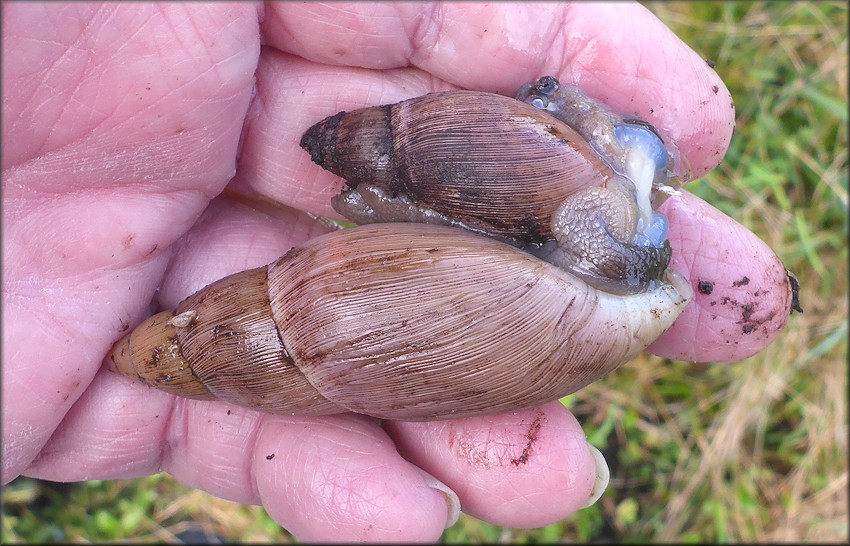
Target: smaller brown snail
417	321
512	170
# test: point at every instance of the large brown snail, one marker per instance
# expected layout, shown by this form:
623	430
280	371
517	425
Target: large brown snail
513	257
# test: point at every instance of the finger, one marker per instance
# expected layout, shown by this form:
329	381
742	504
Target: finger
524	469
68	293
742	295
618	53
235	233
332	478
341	478
54	337
116	429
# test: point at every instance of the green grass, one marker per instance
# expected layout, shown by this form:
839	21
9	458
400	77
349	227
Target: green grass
752	451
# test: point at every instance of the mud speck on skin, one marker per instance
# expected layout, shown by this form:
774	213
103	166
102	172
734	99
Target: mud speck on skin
748	311
705	287
795	292
743	282
750	324
531	436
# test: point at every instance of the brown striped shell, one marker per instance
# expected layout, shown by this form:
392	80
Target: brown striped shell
486	160
391	321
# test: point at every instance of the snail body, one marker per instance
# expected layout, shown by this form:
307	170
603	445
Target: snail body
392	321
512	257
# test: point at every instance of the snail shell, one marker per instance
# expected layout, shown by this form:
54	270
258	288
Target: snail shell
397	321
491	162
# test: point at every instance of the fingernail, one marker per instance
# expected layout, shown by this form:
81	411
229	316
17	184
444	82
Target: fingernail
452	500
602	476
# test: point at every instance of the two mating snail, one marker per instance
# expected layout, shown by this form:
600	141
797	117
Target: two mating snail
509	255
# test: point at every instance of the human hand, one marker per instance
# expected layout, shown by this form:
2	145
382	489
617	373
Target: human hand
124	122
